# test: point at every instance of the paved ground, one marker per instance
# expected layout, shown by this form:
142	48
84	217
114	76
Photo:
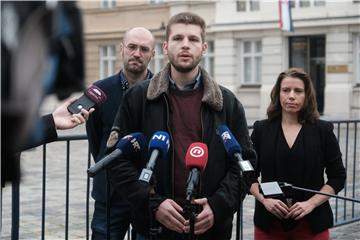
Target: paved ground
31	192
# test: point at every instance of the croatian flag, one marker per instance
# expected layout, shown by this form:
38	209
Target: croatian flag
285	21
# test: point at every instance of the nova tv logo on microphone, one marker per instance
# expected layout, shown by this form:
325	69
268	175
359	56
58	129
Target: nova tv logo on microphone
197	152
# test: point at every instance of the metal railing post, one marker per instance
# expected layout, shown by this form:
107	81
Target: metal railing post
15	216
43	199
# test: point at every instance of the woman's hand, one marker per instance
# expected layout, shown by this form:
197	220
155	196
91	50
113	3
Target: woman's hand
300	210
276	207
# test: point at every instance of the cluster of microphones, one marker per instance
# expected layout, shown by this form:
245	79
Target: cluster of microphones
196	157
132	145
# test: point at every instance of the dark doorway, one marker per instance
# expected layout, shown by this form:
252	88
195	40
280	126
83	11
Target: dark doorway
308	52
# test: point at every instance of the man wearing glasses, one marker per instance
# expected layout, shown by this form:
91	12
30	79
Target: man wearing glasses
136	51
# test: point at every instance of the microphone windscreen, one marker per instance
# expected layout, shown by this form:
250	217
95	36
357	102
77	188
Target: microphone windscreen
132	144
231	145
196	156
96	94
160	141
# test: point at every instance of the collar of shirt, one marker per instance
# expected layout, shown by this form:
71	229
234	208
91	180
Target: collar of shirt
125	83
191	86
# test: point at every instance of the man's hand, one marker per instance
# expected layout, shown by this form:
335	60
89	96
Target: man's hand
276	207
300	210
65	120
169	215
205	220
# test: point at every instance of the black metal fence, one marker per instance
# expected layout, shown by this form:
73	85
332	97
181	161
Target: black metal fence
345	212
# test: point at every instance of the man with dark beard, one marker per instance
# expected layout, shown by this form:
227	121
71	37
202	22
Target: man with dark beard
136	49
186	102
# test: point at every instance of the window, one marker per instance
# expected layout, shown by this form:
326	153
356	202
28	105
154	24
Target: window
158	61
254	5
304	3
292	3
240	6
155	1
319	3
251	62
108	3
207	61
251	5
107	61
357	61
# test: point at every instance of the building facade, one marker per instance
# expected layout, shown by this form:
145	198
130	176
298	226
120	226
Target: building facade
247	49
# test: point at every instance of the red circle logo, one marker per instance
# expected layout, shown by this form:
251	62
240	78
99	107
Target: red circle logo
197	151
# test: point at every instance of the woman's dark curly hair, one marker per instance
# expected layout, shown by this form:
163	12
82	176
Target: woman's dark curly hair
309	112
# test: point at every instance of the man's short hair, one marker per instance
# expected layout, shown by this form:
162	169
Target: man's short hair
187	18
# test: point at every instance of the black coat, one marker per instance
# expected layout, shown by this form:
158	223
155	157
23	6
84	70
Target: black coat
10	156
322	152
99	125
145	109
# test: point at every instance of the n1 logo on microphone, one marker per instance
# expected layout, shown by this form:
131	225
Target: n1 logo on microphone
163	138
197	151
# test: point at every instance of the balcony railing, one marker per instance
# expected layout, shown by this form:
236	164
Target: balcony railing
53	201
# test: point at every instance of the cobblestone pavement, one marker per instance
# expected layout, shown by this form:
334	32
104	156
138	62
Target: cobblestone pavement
31	193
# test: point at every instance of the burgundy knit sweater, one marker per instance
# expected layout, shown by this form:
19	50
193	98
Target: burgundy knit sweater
185	124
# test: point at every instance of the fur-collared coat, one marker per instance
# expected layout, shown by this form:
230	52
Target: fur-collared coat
145	109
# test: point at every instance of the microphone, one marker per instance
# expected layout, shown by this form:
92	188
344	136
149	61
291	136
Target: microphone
276	189
158	147
233	148
271	189
129	146
91	97
195	160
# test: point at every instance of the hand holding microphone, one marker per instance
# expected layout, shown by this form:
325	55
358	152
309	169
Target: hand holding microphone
233	148
76	111
169	212
129	146
92	96
195	160
63	119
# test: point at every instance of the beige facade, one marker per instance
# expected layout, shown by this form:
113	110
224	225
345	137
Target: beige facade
106	26
248	48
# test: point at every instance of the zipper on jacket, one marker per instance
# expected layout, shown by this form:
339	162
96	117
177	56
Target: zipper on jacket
202	140
173	150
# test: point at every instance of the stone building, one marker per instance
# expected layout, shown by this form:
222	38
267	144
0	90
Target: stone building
247	49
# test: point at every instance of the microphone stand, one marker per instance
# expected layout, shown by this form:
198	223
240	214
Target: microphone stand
155	228
192	191
239	232
108	197
277	188
191	213
245	166
287	185
148	177
108	203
